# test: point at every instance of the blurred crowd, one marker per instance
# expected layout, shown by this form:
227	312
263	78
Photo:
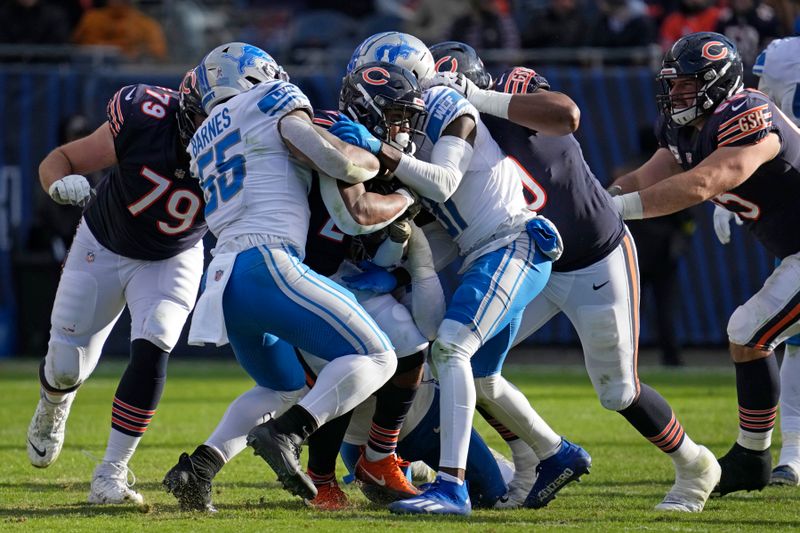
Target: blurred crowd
180	30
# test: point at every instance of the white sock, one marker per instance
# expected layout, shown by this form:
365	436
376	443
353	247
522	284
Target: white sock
510	407
451	478
347	381
686	452
755	441
120	447
373	456
790	407
55	398
451	354
522	454
250	409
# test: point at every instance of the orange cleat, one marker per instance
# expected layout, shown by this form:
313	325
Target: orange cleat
383	481
329	498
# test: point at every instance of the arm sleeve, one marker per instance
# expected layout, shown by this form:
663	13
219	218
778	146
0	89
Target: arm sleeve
440	178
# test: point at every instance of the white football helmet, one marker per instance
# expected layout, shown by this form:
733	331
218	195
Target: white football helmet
232	69
398	48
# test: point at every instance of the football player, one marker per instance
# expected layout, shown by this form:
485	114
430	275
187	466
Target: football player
138	244
595	282
507	249
778	68
337	211
254	155
733	146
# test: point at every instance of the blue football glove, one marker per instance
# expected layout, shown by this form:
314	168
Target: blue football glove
356	134
373	278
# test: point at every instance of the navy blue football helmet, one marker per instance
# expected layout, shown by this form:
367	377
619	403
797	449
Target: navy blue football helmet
453	56
189	106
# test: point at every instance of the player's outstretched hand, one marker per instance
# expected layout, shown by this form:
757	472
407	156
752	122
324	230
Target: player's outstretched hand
454	80
722	223
71	190
373	278
356	134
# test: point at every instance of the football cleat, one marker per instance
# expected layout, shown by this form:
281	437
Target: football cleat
282	453
784	475
329	498
192	491
743	469
383	481
46	430
441	497
693	484
110	485
555	472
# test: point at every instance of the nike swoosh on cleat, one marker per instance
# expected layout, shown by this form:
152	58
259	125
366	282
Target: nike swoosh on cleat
597	287
40	453
381	481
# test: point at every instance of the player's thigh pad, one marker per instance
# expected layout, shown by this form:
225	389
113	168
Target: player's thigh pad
770	316
395	320
272	290
160	296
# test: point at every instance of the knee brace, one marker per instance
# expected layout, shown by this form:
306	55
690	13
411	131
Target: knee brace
64	367
454	340
163	325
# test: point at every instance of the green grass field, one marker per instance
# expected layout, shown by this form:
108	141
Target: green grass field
628	477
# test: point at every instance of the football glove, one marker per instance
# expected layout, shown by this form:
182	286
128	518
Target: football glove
373	278
356	134
722	223
73	189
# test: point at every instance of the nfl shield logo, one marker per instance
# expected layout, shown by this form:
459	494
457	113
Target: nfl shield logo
218	275
90	257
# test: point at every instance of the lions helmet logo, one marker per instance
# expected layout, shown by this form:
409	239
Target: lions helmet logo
442	64
714	50
376	76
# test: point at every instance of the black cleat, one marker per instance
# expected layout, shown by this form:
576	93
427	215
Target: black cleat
282	453
743	469
192	490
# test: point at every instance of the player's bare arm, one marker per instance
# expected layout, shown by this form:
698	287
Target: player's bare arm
660	166
451	156
324	152
723	170
83	156
549	113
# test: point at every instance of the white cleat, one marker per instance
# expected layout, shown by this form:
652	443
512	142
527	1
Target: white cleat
693	484
522	482
110	485
46	430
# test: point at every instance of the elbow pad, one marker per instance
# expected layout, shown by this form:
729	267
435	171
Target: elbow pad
440	178
323	155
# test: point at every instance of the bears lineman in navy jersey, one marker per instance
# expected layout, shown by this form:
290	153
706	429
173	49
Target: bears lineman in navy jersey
595	282
735	147
139	244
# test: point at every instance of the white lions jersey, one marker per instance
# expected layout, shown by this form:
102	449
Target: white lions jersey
252	185
488	204
778	66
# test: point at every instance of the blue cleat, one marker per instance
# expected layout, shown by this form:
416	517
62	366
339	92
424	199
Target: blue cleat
441	497
555	472
784	475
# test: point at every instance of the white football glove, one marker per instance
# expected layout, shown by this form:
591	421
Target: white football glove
454	80
722	223
71	190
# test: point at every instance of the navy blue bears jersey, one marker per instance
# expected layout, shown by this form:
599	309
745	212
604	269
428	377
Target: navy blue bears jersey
767	200
147	207
326	246
559	185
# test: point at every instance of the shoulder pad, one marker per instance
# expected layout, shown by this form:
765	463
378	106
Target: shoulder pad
136	106
444	105
326	118
281	97
743	119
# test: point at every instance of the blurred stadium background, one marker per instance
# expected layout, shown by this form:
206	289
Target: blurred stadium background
60	62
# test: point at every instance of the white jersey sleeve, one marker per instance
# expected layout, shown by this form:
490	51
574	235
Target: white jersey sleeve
778	67
444	105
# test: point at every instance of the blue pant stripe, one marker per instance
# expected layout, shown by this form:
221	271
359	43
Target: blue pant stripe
513	292
492	290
